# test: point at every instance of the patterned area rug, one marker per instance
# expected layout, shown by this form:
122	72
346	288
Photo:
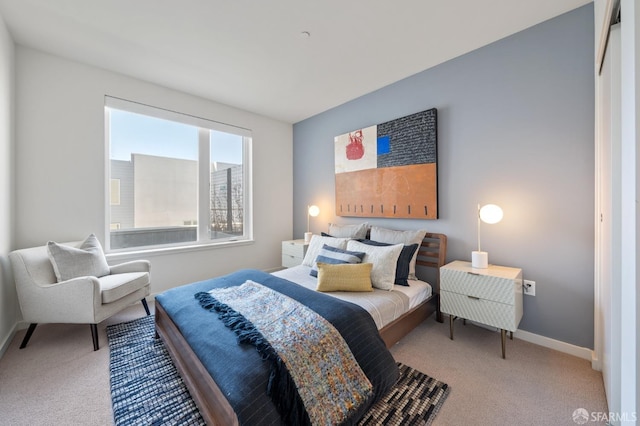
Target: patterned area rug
146	388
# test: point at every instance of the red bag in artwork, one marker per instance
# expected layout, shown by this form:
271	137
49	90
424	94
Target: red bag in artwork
355	149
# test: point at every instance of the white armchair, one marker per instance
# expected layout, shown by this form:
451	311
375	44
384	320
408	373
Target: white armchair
81	300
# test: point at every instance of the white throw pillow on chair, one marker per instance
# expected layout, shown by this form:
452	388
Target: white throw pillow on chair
71	262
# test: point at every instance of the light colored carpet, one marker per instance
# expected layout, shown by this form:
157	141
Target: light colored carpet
532	386
59	380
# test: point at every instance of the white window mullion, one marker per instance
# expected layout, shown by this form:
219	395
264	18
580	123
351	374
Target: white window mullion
107	181
204	184
247	188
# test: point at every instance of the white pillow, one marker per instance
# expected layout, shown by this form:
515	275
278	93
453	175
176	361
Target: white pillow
316	243
71	262
391	236
384	259
348	231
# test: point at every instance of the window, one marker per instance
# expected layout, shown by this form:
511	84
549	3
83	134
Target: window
115	192
174	179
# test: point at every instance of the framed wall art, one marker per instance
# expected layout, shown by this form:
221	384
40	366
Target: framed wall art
390	169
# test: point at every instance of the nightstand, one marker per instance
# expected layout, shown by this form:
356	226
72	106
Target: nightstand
491	296
293	252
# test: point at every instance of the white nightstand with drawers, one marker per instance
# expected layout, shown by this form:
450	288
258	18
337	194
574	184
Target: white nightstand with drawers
491	296
293	252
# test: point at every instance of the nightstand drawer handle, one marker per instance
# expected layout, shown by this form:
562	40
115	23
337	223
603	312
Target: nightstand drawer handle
473	297
473	273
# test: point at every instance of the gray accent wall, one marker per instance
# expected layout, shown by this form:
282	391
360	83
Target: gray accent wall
515	128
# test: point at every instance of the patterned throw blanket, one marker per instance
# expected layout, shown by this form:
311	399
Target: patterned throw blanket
314	378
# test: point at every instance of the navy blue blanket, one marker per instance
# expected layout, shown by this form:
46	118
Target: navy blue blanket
239	370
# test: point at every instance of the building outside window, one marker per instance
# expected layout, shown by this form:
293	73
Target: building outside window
177	179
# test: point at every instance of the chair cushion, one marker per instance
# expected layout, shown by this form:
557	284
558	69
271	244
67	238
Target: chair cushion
71	262
116	286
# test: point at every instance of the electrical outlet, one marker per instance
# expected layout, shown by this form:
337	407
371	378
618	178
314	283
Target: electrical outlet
529	287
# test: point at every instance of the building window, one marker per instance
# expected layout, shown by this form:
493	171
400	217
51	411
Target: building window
115	192
178	179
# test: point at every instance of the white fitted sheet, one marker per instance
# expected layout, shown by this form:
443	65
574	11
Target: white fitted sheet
383	305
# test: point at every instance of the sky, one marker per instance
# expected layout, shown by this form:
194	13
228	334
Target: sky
140	134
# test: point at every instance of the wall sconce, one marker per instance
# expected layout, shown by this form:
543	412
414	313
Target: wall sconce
311	211
490	214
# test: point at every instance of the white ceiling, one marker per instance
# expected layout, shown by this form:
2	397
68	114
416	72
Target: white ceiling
252	55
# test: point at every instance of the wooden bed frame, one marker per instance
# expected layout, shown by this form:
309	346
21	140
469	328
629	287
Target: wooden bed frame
213	405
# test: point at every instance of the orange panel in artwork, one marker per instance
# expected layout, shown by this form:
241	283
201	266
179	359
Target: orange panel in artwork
395	192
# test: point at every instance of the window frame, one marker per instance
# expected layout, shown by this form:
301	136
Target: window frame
204	126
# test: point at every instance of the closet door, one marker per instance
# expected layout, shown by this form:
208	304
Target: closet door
608	227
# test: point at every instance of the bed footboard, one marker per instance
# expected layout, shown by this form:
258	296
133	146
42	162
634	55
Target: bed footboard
213	406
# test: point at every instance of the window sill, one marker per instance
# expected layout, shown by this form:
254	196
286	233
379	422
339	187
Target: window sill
163	251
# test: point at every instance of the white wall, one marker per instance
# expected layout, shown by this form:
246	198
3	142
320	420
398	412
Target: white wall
7	289
60	165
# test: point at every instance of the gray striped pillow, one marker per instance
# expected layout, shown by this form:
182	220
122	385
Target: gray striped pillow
334	255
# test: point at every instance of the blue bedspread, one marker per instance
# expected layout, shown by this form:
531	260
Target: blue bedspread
238	369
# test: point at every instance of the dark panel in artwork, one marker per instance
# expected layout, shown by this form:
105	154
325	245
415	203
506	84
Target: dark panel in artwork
411	140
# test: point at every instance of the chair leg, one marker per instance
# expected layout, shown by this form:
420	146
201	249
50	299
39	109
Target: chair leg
27	336
94	336
146	307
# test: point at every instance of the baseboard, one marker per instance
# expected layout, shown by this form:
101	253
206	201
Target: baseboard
7	340
547	342
568	348
596	364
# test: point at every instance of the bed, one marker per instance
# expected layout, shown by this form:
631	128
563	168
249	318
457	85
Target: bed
186	352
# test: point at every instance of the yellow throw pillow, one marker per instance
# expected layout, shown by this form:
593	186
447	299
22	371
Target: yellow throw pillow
344	277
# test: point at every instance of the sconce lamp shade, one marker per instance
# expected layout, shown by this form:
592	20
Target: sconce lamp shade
490	214
314	211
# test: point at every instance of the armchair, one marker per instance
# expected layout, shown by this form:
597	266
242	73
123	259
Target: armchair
80	300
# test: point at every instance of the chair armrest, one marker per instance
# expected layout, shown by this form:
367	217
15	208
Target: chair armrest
72	301
79	287
133	266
